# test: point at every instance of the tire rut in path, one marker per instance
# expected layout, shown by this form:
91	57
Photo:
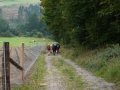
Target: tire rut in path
53	78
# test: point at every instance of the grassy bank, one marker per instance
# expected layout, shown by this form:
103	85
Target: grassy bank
102	62
35	77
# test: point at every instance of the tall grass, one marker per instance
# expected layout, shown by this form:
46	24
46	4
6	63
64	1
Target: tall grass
102	62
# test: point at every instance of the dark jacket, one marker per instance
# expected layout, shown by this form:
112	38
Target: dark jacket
57	46
53	47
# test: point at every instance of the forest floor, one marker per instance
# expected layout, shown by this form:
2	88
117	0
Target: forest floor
57	81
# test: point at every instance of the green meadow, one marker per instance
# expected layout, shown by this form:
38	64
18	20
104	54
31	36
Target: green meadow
16	41
10	2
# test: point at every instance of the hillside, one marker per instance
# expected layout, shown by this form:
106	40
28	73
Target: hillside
22	20
12	13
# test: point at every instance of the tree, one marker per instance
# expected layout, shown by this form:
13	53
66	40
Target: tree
39	35
3	25
51	10
0	12
87	22
8	34
32	23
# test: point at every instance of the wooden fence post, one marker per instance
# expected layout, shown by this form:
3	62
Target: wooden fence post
21	59
6	67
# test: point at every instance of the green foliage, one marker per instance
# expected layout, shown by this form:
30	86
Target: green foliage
52	17
90	23
32	23
4	29
111	73
3	25
0	11
33	28
24	13
7	34
28	23
39	34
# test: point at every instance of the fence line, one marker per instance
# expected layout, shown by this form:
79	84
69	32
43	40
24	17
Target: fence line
30	55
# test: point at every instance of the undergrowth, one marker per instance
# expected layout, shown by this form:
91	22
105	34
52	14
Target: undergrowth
104	62
37	77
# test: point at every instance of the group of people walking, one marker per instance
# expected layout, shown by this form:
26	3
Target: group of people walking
55	48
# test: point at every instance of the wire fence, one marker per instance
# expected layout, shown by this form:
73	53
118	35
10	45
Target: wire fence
30	55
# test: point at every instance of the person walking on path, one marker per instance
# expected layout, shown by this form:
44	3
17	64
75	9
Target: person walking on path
54	48
48	49
57	48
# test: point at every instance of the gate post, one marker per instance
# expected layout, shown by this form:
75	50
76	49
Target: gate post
21	59
6	67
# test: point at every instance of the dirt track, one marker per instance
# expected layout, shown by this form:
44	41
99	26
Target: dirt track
54	82
53	77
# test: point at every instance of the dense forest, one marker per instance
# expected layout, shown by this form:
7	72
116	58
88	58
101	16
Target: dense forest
91	23
27	23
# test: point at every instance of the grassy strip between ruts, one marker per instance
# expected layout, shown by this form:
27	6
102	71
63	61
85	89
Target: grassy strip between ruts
71	80
35	82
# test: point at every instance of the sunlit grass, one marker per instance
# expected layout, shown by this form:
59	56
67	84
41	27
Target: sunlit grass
15	41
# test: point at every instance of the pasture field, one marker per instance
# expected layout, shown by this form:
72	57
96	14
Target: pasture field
15	41
10	2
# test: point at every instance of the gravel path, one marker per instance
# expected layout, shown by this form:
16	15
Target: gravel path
53	77
94	83
54	82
